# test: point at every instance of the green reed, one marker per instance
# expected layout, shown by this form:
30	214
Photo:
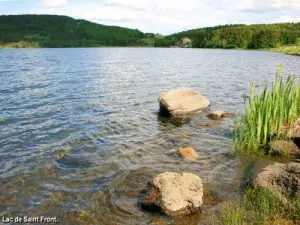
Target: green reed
267	112
260	206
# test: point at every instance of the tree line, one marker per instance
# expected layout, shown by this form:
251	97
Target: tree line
64	31
238	36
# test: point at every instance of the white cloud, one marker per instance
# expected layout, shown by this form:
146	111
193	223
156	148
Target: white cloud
55	3
286	19
169	16
267	5
164	16
134	4
154	4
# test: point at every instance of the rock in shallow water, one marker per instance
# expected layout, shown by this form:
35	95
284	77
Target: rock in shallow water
188	153
175	194
219	114
208	123
181	101
282	179
216	115
228	115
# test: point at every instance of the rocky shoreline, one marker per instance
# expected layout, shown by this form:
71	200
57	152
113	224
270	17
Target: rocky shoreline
180	194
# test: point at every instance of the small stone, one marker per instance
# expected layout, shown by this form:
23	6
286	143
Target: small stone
188	153
60	154
228	115
48	167
216	115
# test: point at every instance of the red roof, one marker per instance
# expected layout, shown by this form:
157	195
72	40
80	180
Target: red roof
184	38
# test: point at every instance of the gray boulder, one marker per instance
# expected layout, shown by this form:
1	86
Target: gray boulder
175	194
182	101
282	179
287	148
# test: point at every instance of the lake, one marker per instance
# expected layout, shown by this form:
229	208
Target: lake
80	134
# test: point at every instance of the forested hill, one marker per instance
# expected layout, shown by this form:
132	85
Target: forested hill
238	36
63	31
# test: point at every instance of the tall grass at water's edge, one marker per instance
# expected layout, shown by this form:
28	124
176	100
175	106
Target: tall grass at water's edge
260	207
287	49
266	113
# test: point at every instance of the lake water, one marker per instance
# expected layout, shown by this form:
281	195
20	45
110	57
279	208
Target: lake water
80	136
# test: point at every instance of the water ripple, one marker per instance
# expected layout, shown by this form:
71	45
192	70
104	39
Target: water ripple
80	136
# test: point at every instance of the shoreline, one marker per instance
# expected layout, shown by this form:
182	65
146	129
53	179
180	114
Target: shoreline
281	49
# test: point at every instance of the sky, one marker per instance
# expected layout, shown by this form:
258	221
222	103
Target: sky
162	16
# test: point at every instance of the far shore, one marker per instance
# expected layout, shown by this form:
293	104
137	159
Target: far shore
285	49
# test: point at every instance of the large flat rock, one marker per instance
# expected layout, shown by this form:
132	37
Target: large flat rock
182	101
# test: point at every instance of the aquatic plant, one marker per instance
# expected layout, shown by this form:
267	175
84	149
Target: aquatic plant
267	112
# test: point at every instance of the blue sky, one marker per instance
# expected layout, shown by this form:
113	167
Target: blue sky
162	16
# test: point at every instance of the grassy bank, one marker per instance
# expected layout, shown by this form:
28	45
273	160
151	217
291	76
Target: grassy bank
287	49
20	44
266	112
260	207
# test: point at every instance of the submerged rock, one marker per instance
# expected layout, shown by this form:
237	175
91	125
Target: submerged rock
176	121
175	194
48	167
208	123
287	148
181	102
188	153
64	159
228	115
216	115
184	138
219	114
179	121
282	179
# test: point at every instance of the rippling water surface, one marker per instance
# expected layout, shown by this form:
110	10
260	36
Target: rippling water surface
80	135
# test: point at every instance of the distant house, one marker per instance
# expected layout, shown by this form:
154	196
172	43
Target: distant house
185	42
